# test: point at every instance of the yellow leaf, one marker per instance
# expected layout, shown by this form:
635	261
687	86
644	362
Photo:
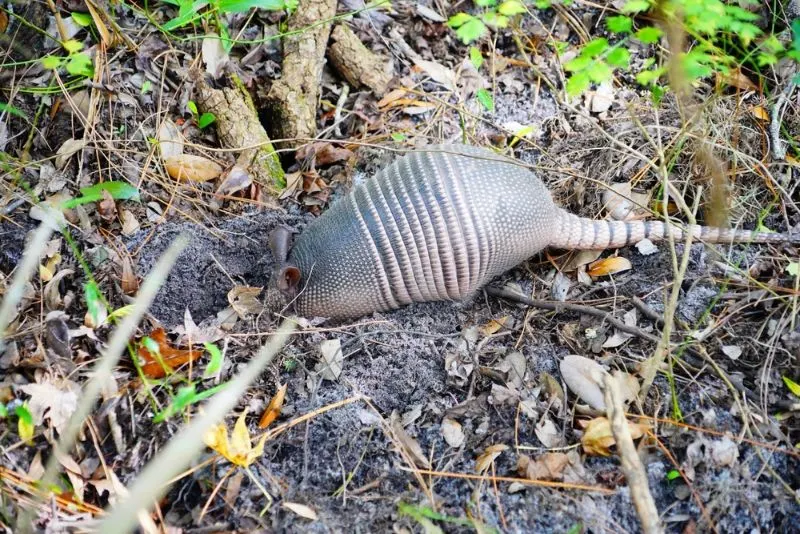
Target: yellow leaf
239	448
25	429
493	326
608	266
598	438
193	168
760	113
274	409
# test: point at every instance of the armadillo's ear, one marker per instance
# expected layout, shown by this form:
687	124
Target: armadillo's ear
280	241
289	279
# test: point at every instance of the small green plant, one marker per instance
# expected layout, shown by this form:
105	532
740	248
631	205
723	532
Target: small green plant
470	28
191	11
202	120
76	63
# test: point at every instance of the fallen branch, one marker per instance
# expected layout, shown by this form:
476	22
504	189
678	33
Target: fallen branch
238	128
292	100
356	63
629	459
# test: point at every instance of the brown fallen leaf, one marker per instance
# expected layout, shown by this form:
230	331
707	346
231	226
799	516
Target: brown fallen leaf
488	456
189	167
735	78
167	359
409	444
584	377
274	408
300	509
244	300
598	438
548	466
609	266
107	208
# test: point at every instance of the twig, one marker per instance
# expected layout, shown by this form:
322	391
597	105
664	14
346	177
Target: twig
579	308
629	459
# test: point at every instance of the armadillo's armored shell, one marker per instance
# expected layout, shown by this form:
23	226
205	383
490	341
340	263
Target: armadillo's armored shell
435	225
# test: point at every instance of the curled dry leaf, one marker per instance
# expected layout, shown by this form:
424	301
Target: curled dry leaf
54	400
128	281
609	266
190	167
409	444
52	296
578	259
236	179
452	432
274	409
107	208
170	139
584	377
548	434
244	300
70	147
489	455
214	55
598	438
300	509
130	225
330	367
167	359
622	204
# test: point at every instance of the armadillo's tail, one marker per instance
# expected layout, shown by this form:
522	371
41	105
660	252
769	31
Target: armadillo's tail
578	233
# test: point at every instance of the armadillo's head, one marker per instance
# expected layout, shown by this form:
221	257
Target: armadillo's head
327	272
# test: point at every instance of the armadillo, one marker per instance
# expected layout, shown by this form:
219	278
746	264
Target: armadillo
438	224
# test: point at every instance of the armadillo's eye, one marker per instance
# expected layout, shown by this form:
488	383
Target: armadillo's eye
289	279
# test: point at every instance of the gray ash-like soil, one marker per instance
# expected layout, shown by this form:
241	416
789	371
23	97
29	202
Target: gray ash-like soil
399	363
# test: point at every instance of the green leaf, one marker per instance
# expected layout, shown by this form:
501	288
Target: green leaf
649	35
577	64
485	98
595	47
192	107
657	93
185	396
485	3
94	300
599	71
12	110
72	46
120	312
81	19
180	21
459	19
495	20
472	30
118	191
636	6
397	137
475	57
3	411
619	24
578	83
511	7
151	345
646	77
25	425
241	6
793	268
796	34
673	474
793	386
215	364
206	119
543	4
80	65
619	57
51	62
